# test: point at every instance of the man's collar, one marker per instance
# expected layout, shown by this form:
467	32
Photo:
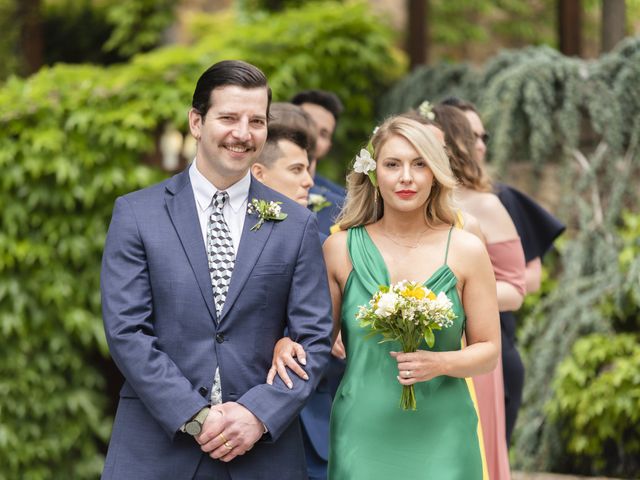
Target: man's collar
205	190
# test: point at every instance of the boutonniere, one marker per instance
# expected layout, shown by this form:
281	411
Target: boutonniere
267	211
318	202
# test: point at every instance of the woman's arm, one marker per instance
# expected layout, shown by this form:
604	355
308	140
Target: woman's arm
286	351
471	262
501	234
533	275
509	297
336	257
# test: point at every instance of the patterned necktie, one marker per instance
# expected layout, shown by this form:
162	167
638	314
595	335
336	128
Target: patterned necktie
221	256
220	251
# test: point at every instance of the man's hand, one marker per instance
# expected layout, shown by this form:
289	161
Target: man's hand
228	431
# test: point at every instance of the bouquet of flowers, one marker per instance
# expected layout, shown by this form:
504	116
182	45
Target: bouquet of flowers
407	312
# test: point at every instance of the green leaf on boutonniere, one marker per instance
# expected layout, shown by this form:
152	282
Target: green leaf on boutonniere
266	211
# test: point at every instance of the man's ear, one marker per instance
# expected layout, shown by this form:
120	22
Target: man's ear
258	170
195	123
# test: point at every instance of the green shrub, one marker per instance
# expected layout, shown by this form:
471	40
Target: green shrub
597	399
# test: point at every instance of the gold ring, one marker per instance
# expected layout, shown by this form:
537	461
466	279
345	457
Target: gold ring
228	445
224	440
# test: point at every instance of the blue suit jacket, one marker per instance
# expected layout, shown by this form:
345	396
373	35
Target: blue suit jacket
327	216
323	183
163	333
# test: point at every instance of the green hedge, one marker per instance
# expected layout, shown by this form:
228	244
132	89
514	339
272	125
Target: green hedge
74	138
597	399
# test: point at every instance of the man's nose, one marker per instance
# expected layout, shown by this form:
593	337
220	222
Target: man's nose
241	130
307	180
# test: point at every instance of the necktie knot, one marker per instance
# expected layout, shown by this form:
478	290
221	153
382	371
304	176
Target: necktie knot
219	199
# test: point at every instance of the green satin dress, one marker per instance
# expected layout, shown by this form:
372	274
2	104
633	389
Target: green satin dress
372	438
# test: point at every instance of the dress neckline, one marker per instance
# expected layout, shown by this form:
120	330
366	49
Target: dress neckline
377	252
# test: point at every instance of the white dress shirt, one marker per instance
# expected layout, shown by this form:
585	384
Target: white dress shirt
234	210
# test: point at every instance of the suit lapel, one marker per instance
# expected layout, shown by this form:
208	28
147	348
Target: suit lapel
181	206
250	248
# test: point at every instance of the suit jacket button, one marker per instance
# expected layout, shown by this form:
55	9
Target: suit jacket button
219	338
203	391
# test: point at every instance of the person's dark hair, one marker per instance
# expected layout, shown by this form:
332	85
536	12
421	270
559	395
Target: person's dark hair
460	141
327	100
222	74
288	122
460	104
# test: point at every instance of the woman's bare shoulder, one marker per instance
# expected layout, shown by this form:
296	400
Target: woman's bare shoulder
335	247
467	253
472	225
465	242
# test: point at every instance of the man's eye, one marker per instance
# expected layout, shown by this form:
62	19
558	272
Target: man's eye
258	121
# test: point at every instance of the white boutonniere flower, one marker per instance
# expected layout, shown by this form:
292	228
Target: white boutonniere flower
266	211
318	202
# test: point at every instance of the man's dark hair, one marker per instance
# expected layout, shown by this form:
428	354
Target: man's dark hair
460	104
327	100
222	74
292	123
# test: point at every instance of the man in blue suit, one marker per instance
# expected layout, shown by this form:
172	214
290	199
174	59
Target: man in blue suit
196	290
324	108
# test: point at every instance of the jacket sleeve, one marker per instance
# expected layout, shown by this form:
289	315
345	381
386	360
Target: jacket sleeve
309	323
127	310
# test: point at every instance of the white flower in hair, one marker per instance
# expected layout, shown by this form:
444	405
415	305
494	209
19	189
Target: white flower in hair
364	163
426	110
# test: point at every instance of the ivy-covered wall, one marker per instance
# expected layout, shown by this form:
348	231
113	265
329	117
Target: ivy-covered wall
73	139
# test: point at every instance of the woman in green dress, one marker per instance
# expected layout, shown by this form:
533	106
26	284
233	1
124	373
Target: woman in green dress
402	230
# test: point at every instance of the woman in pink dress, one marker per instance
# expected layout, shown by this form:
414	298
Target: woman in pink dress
474	196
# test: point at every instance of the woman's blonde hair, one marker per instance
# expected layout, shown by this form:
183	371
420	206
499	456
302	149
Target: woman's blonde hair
364	204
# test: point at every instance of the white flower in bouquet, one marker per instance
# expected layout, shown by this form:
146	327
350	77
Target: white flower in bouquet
409	313
386	304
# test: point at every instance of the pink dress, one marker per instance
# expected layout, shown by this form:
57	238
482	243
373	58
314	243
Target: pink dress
508	263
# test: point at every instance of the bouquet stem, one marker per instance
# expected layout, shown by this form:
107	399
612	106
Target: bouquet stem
408	398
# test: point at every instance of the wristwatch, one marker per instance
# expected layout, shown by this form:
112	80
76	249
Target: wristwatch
194	426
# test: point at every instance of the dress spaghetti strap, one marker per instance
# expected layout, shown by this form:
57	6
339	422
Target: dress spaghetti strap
446	252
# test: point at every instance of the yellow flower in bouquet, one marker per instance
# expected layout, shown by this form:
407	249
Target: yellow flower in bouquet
409	313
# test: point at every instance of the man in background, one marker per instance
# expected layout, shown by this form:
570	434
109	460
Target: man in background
327	197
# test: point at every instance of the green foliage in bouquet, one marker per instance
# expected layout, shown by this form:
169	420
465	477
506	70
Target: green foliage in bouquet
407	313
76	137
596	402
